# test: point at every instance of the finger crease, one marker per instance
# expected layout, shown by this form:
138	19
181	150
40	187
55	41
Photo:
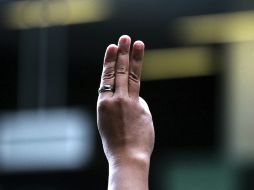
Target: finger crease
134	77
110	62
123	52
108	76
121	72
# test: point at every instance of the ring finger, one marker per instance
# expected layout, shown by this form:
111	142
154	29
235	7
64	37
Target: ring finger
108	73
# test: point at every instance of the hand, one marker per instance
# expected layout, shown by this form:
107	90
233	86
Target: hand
124	120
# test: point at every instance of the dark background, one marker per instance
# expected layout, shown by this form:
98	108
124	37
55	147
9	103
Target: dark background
186	111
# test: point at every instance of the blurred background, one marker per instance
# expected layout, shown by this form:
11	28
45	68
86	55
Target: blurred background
198	80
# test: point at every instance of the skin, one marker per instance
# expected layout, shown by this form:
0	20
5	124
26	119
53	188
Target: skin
124	120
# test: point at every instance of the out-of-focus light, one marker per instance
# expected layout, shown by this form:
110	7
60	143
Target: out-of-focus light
42	13
240	102
197	173
217	28
45	140
178	63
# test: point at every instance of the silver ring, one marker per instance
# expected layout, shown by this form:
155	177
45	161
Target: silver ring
106	88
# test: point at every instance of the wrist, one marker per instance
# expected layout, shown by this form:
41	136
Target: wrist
129	172
131	160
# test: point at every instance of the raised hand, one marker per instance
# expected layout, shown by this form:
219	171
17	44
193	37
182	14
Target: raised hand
124	120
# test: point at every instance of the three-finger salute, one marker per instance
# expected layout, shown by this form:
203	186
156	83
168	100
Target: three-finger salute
124	120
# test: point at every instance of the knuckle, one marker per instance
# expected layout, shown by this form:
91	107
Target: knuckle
121	101
134	77
108	73
104	104
121	70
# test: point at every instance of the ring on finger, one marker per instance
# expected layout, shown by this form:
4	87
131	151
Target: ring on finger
106	88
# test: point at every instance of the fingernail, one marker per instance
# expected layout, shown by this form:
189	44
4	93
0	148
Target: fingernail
139	44
124	39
